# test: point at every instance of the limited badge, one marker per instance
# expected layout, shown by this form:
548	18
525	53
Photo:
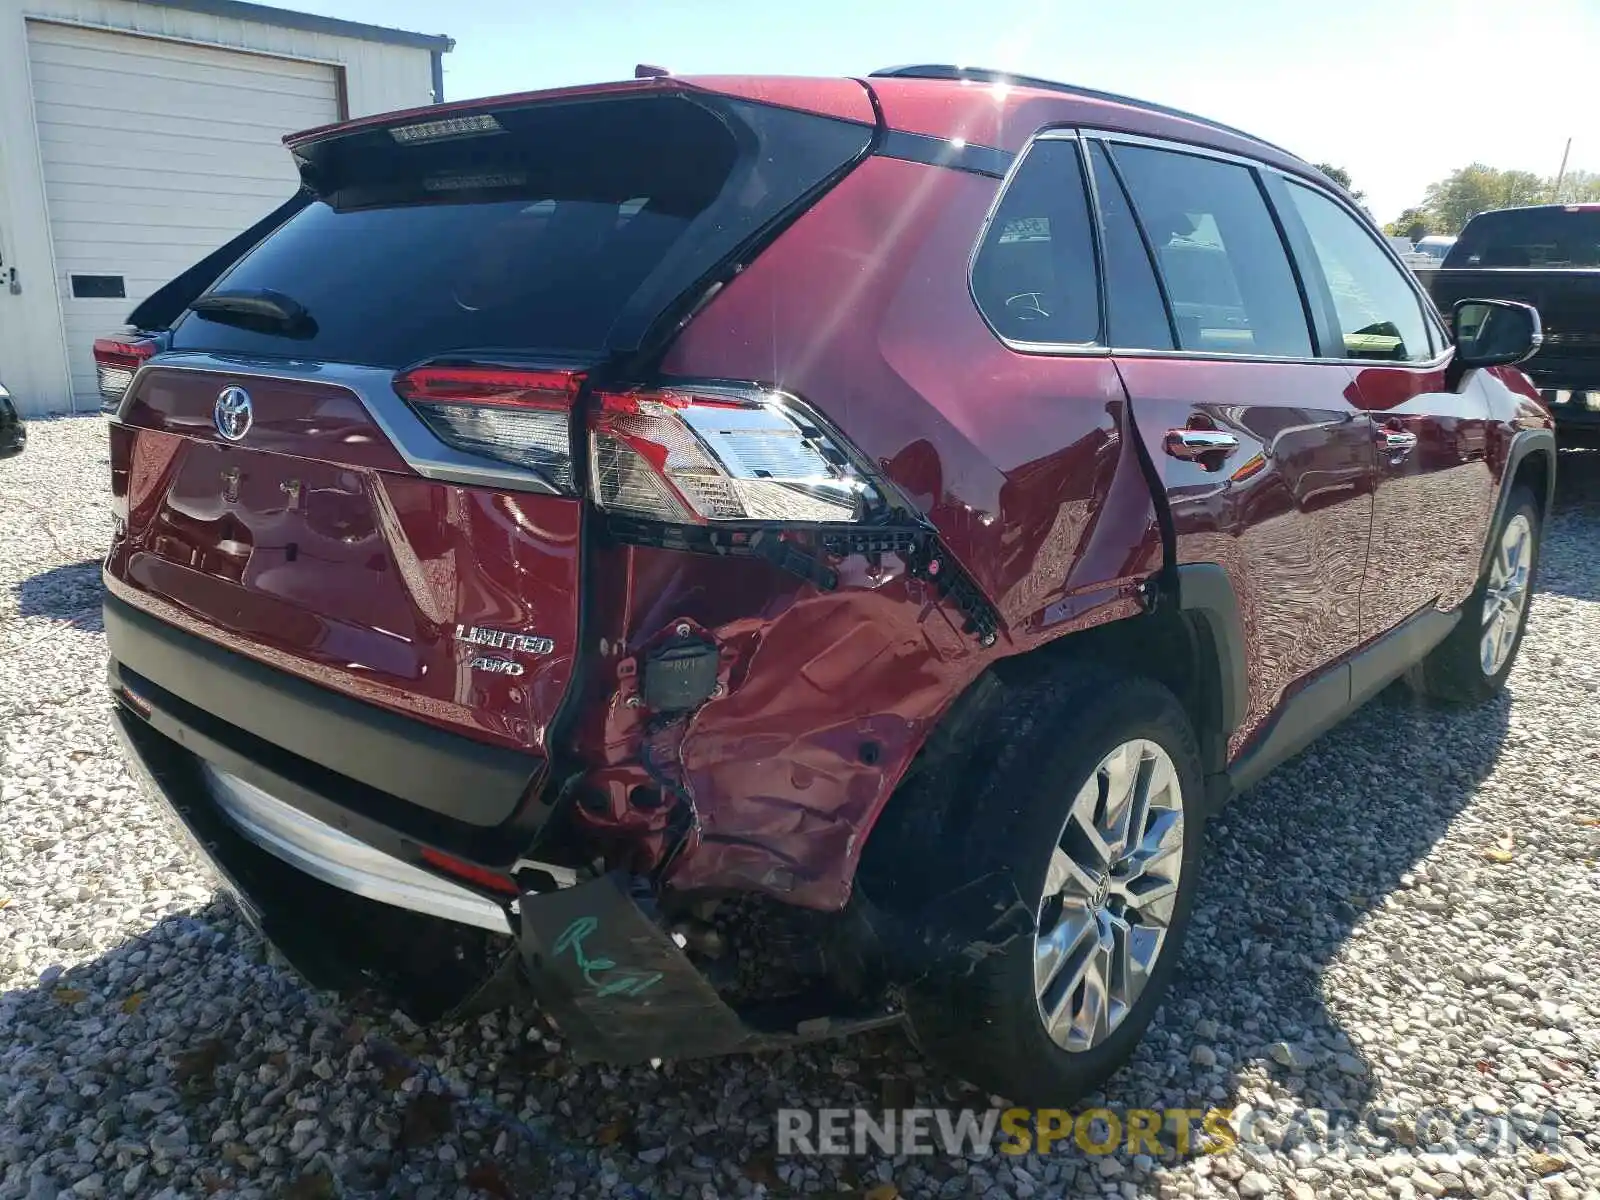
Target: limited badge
505	641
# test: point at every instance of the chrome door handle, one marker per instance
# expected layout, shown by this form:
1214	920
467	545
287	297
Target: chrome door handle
1194	444
1397	441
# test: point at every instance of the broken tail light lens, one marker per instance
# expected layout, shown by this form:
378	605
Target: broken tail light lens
517	416
699	455
116	361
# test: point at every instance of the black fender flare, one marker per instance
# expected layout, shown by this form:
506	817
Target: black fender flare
1205	595
1524	443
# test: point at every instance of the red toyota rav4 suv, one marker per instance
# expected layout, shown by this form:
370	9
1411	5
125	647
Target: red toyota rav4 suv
905	505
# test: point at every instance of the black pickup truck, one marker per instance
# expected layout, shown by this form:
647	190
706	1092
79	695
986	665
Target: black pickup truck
1547	256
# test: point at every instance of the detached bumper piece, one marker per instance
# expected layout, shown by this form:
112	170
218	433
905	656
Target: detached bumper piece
620	989
615	983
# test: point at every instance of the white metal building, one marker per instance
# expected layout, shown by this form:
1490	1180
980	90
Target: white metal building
138	135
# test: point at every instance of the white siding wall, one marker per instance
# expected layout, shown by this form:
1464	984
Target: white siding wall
33	349
154	153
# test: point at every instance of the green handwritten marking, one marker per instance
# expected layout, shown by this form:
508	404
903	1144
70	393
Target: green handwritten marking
623	981
630	985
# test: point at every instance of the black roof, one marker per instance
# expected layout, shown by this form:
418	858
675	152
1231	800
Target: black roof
1574	206
985	75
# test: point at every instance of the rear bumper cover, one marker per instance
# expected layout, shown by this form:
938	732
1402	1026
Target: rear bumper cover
344	862
434	771
312	876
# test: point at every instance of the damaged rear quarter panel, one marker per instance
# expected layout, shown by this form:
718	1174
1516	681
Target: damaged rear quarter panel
839	691
1022	462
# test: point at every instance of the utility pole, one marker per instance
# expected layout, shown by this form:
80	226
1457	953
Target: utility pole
1562	173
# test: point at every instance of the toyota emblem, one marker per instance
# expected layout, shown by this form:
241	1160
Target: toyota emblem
233	413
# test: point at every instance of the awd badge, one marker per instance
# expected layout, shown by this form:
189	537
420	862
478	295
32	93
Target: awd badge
506	641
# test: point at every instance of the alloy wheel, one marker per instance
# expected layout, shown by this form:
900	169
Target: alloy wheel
1109	895
1506	595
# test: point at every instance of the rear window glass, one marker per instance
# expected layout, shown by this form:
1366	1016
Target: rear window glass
1530	237
1034	276
569	228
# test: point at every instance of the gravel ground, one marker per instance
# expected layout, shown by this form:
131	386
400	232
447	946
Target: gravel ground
1401	923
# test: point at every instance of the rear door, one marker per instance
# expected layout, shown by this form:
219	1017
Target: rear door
355	462
1265	453
1434	493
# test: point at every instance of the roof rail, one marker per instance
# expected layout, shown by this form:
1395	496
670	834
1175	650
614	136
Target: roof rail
985	75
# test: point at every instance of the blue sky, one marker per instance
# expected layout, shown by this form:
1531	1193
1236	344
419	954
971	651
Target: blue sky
1399	92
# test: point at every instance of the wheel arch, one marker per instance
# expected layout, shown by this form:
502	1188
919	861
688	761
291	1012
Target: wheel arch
1191	641
1530	461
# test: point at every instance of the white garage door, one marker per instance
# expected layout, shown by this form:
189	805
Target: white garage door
154	154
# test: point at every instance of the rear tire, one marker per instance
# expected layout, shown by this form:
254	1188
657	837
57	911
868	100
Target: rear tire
1075	759
1472	663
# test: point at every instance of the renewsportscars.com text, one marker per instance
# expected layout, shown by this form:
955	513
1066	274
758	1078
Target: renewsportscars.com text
1158	1132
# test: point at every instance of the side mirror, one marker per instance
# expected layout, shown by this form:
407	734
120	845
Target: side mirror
1493	333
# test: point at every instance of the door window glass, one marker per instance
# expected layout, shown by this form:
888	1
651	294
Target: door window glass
1227	274
1133	299
1380	316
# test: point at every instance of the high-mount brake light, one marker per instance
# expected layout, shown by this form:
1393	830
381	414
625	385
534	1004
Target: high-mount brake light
447	127
516	415
689	454
116	361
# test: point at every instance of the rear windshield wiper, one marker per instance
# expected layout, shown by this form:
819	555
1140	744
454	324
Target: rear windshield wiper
260	309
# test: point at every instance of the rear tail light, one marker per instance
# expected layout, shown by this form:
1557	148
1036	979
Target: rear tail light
687	454
517	416
701	455
117	360
696	456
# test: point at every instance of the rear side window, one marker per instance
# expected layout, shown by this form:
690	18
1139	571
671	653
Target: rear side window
1226	271
1133	298
1034	276
1379	315
555	228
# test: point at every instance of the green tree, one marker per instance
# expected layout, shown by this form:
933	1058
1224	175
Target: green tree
1342	177
1455	200
1414	223
1523	187
1577	187
1477	188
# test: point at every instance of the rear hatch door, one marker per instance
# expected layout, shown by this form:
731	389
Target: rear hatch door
354	461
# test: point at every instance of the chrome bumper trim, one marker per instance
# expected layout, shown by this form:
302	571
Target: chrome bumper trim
336	858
